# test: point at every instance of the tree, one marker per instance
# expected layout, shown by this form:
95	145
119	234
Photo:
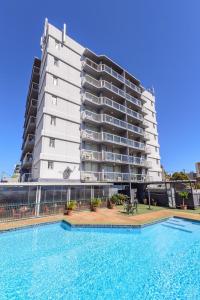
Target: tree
179	176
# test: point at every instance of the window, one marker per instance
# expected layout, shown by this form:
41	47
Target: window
56	61
57	44
156	149
53	120
158	174
154	137
50	165
153	114
55	80
157	161
151	103
54	100
154	125
52	142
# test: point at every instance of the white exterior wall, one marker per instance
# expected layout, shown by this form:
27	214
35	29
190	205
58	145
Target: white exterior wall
155	172
66	109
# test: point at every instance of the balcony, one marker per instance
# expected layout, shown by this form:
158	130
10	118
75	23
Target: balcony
104	118
30	126
27	161
26	177
112	177
111	139
31	107
88	155
104	68
104	101
100	84
29	143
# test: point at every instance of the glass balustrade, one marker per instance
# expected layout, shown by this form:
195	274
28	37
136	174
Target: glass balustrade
111	87
112	176
108	137
111	120
105	68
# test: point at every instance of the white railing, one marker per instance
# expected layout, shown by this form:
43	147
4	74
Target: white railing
27	158
105	68
112	177
111	138
110	103
111	87
112	157
104	118
29	140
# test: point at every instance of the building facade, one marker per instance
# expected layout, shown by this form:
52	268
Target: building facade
197	165
94	121
30	121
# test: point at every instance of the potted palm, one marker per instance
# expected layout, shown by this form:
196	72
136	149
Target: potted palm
72	205
110	203
184	196
95	203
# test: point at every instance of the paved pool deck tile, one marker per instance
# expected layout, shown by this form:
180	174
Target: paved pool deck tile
103	217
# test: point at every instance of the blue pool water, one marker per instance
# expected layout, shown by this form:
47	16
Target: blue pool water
161	261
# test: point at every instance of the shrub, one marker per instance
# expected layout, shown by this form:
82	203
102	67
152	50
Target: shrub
118	199
96	202
72	205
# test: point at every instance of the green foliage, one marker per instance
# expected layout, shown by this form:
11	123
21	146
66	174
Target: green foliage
118	199
72	205
179	176
96	202
183	195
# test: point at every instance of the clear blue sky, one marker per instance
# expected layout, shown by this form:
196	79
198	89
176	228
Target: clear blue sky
158	41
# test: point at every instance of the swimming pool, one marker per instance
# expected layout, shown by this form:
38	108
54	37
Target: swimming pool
55	261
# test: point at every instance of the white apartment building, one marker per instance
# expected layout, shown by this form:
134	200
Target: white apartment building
95	122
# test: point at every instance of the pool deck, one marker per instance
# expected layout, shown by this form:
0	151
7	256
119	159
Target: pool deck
103	217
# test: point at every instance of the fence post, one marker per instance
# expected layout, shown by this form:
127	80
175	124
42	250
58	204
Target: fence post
38	198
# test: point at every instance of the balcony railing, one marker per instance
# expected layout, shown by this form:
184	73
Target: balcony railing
27	159
111	87
112	177
111	138
104	118
31	106
105	68
90	155
104	101
29	142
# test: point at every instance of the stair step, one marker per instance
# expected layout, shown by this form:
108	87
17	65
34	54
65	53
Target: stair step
177	228
176	224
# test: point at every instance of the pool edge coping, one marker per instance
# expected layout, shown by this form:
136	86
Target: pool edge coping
125	226
82	225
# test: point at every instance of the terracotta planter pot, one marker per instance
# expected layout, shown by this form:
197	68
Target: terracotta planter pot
94	208
111	205
184	207
69	212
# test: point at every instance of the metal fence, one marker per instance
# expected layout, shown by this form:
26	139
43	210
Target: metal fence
22	202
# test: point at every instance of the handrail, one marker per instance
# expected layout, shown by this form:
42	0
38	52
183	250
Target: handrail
108	102
109	70
109	137
113	88
86	114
